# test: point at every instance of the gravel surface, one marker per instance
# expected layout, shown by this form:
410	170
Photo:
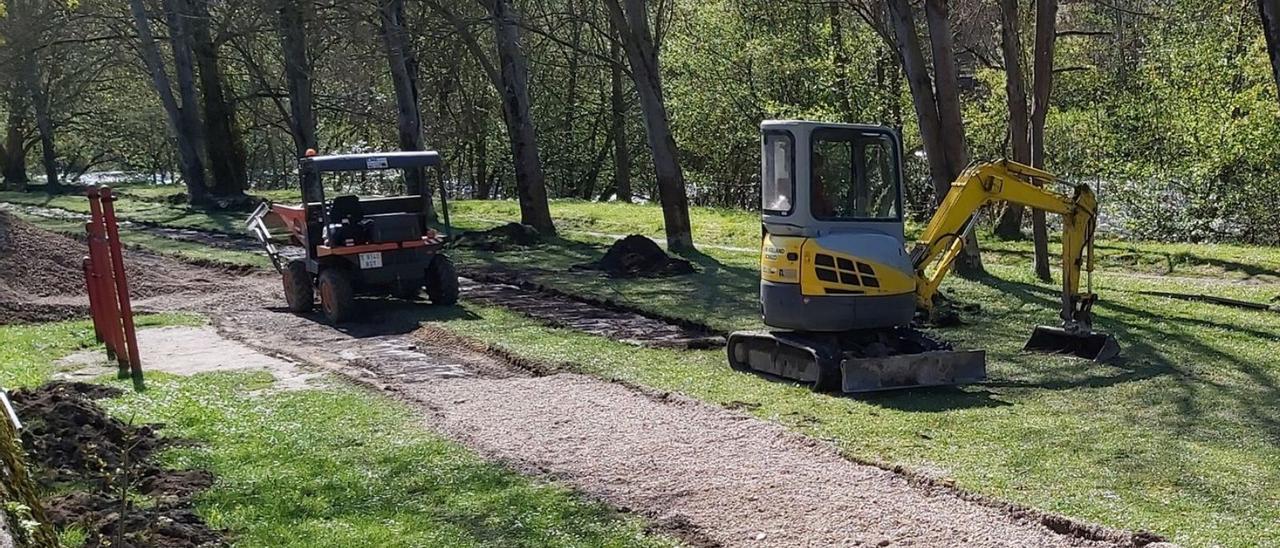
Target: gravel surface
711	476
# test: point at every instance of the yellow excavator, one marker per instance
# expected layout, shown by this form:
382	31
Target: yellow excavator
838	287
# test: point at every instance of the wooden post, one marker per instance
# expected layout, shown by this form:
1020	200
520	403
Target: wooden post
95	304
122	285
101	266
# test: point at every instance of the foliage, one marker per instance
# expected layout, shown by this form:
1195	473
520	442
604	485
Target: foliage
1168	106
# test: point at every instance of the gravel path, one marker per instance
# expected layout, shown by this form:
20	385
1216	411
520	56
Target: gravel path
708	475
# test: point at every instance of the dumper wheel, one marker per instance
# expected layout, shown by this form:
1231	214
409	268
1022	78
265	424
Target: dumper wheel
299	291
337	298
442	281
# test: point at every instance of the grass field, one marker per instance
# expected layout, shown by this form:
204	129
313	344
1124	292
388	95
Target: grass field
333	466
1181	436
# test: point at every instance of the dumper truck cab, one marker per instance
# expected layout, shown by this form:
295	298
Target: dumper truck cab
356	245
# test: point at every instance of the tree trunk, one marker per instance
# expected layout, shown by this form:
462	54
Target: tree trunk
44	120
921	86
224	145
1046	36
15	149
484	184
1010	225
293	15
14	153
183	122
571	100
642	53
947	87
618	103
404	78
1270	12
513	72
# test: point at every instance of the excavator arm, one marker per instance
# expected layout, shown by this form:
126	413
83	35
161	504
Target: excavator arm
943	239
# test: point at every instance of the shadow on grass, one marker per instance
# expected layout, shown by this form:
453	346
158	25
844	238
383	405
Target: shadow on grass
934	399
1150	343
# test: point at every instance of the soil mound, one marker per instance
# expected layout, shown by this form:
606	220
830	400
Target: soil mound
638	257
41	277
499	238
73	444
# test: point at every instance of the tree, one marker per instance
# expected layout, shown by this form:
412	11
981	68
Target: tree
24	29
13	153
937	104
618	110
224	146
1009	226
510	77
291	26
632	22
1270	12
184	119
404	79
1046	38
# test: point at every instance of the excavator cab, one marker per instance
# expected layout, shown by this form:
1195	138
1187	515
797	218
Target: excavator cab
839	289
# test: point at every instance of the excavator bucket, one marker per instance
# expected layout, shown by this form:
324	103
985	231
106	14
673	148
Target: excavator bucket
1091	345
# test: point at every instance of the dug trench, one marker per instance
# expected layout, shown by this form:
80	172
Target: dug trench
98	465
709	475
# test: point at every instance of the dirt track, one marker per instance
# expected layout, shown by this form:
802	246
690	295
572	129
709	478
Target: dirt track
709	475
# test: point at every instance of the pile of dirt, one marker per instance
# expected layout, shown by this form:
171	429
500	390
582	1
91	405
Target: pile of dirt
76	449
638	257
41	277
499	238
945	313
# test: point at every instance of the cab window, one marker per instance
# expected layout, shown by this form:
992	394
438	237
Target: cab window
778	177
854	176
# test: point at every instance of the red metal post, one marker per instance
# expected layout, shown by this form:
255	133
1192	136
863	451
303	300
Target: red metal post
122	284
90	286
113	333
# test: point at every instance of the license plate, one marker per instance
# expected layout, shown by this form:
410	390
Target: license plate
370	260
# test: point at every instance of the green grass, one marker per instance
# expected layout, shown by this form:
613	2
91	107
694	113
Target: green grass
333	466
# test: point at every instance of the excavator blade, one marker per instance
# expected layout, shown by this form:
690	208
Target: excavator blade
935	368
1091	345
827	365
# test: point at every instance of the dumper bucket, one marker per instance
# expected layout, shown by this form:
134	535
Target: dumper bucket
1091	345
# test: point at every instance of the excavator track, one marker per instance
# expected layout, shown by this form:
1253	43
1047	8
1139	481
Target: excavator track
856	361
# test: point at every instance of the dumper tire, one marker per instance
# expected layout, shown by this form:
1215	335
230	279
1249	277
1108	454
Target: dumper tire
337	297
299	290
442	281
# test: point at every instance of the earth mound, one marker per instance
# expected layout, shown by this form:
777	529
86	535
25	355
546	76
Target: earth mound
499	238
42	278
638	257
81	452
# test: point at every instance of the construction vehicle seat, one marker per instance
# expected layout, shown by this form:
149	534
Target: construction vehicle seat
345	209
